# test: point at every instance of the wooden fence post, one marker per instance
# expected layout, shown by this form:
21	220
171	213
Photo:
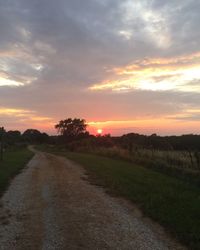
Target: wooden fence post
1	142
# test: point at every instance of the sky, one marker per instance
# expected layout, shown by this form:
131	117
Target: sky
124	66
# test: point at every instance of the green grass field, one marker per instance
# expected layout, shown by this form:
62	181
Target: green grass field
173	163
14	161
168	200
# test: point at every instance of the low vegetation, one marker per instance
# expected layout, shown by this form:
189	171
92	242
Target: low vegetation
14	160
175	158
173	163
172	202
159	173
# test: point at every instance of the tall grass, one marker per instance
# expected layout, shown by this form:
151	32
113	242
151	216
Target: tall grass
178	159
173	163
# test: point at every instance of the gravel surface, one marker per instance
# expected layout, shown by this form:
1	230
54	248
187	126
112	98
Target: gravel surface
50	205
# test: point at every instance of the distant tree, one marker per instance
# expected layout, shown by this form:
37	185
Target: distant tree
14	133
34	136
13	136
2	132
44	138
104	141
72	129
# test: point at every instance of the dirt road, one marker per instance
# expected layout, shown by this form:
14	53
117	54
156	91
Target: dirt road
50	205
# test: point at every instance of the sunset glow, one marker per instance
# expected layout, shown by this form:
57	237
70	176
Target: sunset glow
123	66
99	97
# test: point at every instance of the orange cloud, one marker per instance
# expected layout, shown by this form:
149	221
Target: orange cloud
22	119
155	74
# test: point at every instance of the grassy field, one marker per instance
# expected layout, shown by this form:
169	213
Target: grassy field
14	161
179	159
173	163
168	200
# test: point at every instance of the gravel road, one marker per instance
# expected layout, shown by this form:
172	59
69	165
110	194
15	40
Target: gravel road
51	205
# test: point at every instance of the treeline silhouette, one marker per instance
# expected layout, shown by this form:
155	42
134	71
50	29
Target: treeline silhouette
180	151
178	156
16	138
183	142
131	141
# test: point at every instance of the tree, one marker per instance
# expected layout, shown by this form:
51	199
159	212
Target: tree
71	129
35	136
13	137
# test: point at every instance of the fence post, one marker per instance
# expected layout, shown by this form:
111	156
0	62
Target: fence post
1	142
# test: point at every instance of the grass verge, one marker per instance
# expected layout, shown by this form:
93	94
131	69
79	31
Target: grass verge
13	162
168	200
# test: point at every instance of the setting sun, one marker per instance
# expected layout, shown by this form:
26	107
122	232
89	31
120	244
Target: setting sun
99	131
112	90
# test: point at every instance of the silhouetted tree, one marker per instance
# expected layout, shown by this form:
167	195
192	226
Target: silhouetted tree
72	129
13	137
34	136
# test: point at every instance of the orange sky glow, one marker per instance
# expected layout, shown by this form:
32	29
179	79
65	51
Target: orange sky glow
123	66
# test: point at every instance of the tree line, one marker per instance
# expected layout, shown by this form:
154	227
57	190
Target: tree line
15	137
73	134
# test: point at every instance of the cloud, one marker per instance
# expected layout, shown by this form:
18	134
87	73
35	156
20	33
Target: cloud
53	52
10	116
156	74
